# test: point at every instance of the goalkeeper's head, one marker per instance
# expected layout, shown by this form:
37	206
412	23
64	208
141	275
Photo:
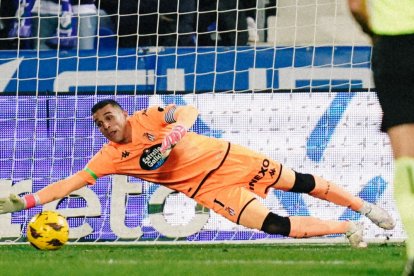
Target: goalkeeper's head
104	103
111	119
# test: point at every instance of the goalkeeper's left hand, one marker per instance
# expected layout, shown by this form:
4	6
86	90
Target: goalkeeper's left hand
11	204
176	134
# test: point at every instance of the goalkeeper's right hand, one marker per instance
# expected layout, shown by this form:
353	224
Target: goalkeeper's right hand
11	204
176	134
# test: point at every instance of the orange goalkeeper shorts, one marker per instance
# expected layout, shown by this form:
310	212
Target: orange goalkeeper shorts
233	186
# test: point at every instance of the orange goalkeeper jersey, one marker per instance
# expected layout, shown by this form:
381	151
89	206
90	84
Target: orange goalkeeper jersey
184	170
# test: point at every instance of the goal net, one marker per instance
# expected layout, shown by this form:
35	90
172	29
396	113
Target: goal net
290	79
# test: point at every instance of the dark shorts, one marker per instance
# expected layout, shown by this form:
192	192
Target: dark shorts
393	67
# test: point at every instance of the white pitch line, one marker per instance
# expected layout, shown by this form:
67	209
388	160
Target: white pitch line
229	262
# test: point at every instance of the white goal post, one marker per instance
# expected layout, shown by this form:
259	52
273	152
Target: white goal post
301	92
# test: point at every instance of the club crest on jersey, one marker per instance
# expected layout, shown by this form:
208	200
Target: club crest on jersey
149	136
151	158
230	211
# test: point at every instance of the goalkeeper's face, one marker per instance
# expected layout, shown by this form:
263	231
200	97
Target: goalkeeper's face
113	124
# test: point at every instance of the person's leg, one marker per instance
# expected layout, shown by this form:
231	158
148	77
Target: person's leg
205	16
256	216
250	7
392	60
167	30
87	30
232	24
320	188
331	192
317	187
402	141
186	20
43	28
241	206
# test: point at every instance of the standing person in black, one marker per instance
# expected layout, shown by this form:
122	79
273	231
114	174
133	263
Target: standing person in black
152	22
230	20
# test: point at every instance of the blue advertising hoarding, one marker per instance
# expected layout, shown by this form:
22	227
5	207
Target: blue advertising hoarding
186	70
47	138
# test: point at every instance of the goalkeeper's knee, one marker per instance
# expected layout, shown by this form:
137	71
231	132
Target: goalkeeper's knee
304	183
275	224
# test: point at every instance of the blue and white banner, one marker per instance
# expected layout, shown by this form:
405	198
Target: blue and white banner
186	70
334	135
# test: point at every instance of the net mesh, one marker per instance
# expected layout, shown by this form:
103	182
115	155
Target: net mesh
294	84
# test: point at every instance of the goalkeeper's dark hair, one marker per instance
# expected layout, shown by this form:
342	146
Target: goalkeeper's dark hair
104	103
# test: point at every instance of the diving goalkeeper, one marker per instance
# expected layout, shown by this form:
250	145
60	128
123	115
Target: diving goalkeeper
155	145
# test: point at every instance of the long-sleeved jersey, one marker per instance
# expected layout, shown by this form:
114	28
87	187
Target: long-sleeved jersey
184	169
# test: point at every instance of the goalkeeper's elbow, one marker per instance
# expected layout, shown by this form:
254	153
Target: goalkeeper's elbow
186	116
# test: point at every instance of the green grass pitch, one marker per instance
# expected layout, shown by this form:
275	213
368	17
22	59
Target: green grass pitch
204	259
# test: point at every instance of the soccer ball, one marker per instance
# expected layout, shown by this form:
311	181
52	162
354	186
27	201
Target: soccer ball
48	230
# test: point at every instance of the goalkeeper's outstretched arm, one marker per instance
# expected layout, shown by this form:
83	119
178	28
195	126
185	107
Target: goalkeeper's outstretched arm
184	117
54	191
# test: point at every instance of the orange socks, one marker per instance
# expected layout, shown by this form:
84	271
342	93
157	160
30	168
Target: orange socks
333	193
304	227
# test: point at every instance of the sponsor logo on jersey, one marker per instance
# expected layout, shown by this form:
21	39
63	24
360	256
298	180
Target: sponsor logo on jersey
260	174
151	158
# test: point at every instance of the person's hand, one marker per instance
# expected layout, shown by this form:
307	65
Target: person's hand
176	134
11	204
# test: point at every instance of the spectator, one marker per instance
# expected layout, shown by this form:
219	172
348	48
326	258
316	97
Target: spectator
229	18
152	22
19	30
176	23
64	24
127	24
7	12
251	12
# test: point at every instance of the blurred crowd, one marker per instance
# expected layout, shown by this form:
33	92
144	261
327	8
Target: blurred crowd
68	24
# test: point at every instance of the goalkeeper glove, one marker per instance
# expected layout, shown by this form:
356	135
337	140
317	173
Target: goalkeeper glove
173	138
14	203
11	204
